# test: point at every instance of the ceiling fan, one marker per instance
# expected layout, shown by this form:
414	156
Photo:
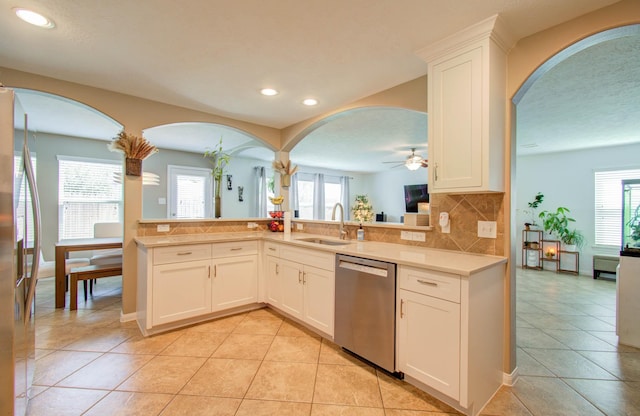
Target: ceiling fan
413	162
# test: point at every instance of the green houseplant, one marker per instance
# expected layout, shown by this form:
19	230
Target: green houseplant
531	211
219	160
634	227
557	223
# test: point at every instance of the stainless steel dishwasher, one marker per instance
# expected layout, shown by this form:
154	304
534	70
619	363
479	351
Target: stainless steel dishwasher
365	318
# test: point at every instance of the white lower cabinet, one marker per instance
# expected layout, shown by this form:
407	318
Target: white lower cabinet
234	282
179	283
450	334
304	289
180	291
429	339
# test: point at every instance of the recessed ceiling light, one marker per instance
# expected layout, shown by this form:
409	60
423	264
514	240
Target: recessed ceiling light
268	91
34	18
310	101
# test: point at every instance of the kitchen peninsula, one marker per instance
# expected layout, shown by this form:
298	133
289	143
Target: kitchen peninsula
449	305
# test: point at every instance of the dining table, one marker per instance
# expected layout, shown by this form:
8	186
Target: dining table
64	247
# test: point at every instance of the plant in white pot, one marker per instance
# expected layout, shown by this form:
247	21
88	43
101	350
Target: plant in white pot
557	223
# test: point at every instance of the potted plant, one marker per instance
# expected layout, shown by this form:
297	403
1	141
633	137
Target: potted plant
219	160
557	223
531	212
634	227
572	240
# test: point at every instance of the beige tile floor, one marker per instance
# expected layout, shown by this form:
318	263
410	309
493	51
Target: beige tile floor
258	363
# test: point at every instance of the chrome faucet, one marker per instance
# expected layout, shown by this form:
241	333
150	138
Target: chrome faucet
343	233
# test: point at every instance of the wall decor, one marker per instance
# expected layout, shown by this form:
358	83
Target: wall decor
229	184
240	192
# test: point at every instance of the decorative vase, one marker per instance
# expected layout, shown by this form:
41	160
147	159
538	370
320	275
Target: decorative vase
286	180
218	207
133	167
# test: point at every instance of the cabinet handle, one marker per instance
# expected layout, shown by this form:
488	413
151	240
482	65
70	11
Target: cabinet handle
209	273
277	268
401	308
215	270
184	253
304	278
272	249
425	282
435	172
236	249
299	276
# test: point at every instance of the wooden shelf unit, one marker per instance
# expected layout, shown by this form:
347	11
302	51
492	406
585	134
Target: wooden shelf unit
531	238
541	246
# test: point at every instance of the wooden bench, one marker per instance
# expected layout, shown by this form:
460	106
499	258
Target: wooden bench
606	264
88	273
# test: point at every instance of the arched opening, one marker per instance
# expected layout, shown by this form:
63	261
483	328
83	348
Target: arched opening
576	114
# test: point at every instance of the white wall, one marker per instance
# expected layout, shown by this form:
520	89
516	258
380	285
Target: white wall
241	170
386	190
566	179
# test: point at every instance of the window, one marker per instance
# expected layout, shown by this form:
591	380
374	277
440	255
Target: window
331	188
332	192
87	194
608	205
190	192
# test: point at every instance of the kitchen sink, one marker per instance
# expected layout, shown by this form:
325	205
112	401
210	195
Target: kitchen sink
324	241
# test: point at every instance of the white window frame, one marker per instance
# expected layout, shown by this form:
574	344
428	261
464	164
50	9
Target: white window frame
608	205
119	202
172	192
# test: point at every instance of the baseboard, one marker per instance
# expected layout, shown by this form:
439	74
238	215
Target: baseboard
510	379
128	317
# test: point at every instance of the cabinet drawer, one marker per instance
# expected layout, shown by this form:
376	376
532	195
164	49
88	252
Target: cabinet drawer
177	254
428	282
236	248
272	249
315	258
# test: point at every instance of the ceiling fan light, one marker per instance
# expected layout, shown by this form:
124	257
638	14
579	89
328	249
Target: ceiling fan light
413	164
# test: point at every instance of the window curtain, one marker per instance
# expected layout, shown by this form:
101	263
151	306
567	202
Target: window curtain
344	196
294	204
260	185
318	196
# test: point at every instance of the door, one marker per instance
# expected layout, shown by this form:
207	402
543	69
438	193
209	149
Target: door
190	192
235	282
319	298
274	284
292	288
429	344
180	291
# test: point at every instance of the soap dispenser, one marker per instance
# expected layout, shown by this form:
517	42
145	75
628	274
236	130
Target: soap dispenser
360	233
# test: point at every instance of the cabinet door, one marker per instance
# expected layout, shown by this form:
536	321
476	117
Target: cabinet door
456	122
180	291
319	298
429	341
292	288
235	282
274	281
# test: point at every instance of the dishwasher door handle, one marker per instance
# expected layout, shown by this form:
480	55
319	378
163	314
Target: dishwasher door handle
377	271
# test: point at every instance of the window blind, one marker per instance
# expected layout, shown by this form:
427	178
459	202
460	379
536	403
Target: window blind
87	194
608	205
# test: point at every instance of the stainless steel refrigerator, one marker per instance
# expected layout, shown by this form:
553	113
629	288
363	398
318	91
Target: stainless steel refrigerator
19	242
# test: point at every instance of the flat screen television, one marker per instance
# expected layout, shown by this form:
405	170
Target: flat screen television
414	194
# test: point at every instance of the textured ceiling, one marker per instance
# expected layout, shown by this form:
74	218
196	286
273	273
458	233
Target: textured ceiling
216	57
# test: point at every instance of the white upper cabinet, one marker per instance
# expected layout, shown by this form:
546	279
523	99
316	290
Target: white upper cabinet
466	107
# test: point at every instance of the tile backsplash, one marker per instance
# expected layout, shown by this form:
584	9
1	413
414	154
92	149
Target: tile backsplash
465	210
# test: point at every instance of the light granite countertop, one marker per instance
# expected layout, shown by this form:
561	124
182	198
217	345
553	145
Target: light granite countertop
449	261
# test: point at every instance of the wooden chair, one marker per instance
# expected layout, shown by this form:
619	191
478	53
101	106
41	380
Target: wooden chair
89	273
111	257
